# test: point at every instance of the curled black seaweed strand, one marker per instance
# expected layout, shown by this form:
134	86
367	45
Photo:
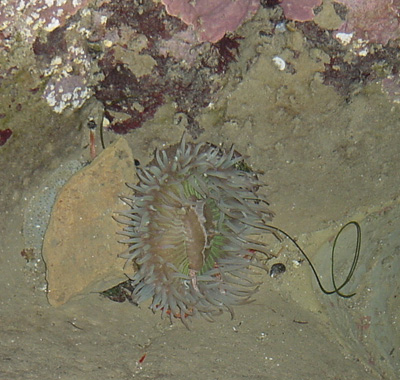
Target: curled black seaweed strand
353	265
355	259
102	134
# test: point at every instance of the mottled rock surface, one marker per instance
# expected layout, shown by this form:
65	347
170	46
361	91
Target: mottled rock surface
81	243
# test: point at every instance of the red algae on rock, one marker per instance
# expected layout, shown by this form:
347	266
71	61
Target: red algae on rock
372	20
211	19
5	134
153	58
300	10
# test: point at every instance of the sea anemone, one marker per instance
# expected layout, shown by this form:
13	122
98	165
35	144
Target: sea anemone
191	231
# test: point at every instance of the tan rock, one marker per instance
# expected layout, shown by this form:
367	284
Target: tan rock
81	243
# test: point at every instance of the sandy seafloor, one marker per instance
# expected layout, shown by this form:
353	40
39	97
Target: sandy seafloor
326	160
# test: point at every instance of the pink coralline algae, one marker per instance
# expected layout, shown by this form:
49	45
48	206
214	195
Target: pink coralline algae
300	10
372	20
211	19
27	17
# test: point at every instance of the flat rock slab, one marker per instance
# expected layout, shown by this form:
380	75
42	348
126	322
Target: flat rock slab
81	246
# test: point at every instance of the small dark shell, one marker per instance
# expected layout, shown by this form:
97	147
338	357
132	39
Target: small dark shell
277	269
189	231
